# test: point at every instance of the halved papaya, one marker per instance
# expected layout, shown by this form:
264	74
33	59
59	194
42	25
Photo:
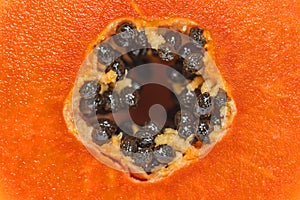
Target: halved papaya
256	47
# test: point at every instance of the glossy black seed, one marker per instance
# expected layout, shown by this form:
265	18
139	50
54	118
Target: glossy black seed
173	38
154	163
149	167
196	34
145	138
188	49
166	52
109	103
103	131
129	97
126	34
183	117
117	66
185	130
128	145
105	54
164	153
108	125
138	49
216	118
204	128
89	89
204	105
89	107
141	40
152	127
143	158
175	73
175	76
193	62
204	139
188	99
220	99
100	136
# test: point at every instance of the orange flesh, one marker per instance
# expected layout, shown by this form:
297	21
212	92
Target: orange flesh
256	46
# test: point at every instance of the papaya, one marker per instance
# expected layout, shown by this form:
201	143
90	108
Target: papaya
256	49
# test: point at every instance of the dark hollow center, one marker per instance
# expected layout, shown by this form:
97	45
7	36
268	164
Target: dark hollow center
151	94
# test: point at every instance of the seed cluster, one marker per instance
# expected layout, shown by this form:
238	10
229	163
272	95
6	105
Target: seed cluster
199	113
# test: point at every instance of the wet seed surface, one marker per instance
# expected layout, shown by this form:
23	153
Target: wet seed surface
198	107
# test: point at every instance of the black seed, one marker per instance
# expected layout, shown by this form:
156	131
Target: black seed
105	54
196	34
129	97
188	49
145	138
166	52
143	158
204	139
151	165
154	163
193	62
216	118
138	49
89	89
173	38
185	130
100	136
141	40
178	65
188	99
204	105
152	127
125	36
103	131
220	99
109	102
117	66
89	107
128	144
164	153
204	129
183	117
108	125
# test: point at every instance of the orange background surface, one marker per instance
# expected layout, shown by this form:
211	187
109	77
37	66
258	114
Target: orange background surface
256	45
